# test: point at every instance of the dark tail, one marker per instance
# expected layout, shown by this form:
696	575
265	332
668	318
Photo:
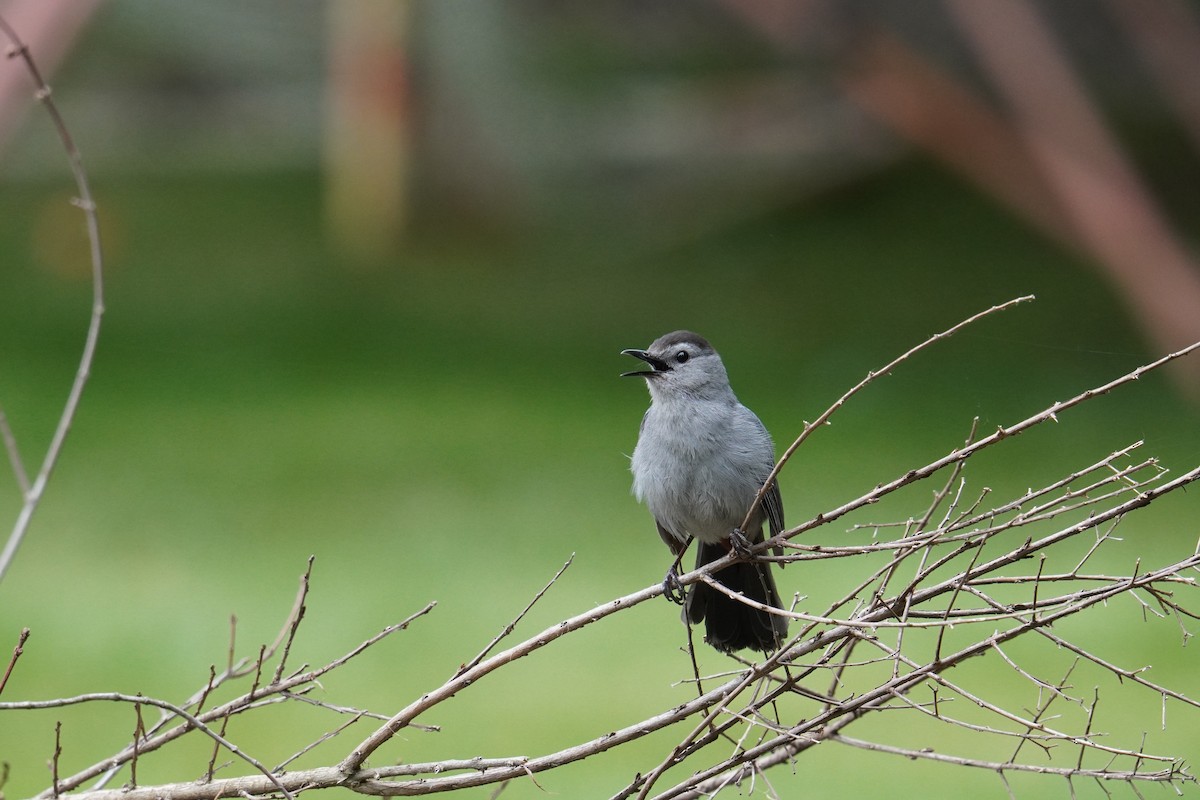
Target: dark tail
730	625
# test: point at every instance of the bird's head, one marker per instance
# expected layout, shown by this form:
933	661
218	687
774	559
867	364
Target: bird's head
681	364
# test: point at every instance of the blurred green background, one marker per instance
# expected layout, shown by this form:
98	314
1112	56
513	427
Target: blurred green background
437	415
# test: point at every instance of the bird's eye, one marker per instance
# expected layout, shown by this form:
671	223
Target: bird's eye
681	356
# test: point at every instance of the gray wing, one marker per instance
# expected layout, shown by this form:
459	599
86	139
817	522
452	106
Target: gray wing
773	505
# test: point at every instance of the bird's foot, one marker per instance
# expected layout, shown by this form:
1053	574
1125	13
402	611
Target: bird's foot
672	589
740	544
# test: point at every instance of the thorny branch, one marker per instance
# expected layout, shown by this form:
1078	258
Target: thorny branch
871	376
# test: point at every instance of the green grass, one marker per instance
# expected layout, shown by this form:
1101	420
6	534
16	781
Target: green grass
451	428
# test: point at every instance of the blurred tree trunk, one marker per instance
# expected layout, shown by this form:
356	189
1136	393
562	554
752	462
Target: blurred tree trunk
367	141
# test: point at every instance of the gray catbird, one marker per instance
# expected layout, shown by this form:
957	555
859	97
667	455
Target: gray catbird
700	460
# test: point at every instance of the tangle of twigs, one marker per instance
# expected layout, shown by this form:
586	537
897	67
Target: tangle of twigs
958	581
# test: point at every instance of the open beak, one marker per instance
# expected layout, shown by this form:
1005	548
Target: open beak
657	365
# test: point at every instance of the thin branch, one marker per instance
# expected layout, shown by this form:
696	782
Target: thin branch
1134	675
14	454
33	495
139	732
18	651
54	785
1169	774
511	626
357	713
293	622
871	376
318	741
470	677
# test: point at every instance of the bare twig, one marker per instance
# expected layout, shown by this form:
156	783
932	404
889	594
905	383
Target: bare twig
17	653
318	741
871	376
54	786
293	621
1167	774
511	626
14	454
470	677
139	732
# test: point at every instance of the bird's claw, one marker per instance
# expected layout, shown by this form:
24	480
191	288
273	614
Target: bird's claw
740	544
672	589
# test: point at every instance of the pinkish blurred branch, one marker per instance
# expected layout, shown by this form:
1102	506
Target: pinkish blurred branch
1113	213
49	28
1046	152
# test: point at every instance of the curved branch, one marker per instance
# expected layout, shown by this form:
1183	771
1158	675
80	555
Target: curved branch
33	494
871	376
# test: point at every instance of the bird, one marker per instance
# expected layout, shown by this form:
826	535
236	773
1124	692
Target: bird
700	461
